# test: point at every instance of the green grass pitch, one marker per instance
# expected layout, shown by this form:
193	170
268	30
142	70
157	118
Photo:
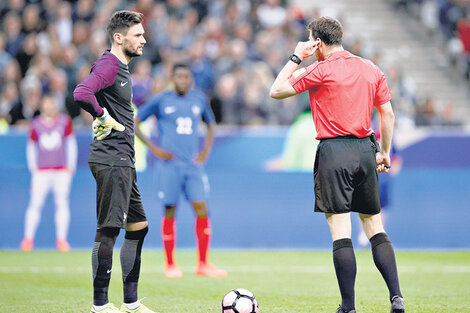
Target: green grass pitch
283	282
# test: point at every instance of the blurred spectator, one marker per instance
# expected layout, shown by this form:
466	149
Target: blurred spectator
5	57
57	89
64	24
83	11
228	93
70	63
49	9
201	67
31	20
271	14
12	72
464	36
28	107
27	52
14	6
426	114
430	15
14	36
80	37
9	98
142	82
253	112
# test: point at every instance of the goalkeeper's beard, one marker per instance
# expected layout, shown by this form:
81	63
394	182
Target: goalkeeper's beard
132	54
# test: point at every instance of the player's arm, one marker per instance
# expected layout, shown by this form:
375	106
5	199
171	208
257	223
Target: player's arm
387	121
31	151
102	76
281	87
71	146
157	151
204	153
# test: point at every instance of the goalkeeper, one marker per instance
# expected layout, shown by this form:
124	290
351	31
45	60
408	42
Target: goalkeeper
107	95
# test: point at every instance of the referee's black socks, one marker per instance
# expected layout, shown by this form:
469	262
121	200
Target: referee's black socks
131	251
384	259
344	260
102	263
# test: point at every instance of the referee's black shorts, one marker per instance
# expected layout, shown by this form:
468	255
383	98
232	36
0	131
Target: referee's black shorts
118	199
345	174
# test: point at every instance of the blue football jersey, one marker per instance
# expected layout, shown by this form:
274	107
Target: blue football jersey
178	119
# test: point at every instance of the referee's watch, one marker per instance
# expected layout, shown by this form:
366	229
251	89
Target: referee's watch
295	59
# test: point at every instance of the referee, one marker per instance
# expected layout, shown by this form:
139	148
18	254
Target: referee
343	90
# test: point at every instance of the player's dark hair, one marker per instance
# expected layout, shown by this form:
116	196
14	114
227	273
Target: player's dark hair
328	29
179	65
121	21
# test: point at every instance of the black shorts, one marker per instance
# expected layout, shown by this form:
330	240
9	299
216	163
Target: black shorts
345	175
118	199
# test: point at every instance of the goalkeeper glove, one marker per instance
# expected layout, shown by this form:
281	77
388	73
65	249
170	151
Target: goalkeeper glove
104	124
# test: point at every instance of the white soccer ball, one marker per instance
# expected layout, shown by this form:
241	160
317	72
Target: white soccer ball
240	301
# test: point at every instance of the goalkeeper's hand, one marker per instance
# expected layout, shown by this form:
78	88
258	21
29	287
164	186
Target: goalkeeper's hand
103	125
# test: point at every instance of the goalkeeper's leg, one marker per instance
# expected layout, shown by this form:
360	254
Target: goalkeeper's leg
131	251
102	263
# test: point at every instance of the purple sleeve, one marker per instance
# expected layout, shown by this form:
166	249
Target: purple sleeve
103	74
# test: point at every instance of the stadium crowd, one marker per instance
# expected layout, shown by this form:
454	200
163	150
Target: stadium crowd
448	20
233	48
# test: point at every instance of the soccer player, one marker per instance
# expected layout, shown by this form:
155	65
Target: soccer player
343	90
106	93
51	153
181	168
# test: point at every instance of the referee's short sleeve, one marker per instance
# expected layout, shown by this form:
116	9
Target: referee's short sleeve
382	94
306	77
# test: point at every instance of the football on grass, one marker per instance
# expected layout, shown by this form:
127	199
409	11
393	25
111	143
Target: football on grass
240	301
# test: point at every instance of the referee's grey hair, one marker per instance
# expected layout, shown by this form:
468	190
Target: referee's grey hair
328	29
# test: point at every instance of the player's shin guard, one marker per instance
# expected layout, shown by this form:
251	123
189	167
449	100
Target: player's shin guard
203	233
131	251
384	259
345	268
168	235
102	263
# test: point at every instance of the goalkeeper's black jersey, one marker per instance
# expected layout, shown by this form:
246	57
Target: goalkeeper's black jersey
110	83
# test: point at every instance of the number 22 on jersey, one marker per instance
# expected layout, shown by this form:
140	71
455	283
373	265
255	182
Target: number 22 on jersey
184	126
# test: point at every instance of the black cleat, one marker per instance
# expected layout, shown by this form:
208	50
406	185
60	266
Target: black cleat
340	310
398	306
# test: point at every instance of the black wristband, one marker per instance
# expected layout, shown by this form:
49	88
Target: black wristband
295	59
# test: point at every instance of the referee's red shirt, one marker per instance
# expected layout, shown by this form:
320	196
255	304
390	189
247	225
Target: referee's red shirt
343	90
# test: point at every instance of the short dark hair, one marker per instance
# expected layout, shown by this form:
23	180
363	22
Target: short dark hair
179	65
328	29
120	22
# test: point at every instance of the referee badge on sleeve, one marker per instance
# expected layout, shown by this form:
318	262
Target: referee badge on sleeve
299	72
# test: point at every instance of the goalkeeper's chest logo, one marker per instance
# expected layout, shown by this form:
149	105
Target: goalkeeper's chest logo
50	141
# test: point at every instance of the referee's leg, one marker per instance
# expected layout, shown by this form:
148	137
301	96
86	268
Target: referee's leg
344	258
384	257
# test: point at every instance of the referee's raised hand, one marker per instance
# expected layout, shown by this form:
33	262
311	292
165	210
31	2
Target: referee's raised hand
304	49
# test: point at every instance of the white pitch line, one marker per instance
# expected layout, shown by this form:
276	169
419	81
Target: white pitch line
238	269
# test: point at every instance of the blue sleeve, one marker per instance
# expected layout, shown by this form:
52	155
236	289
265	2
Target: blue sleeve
207	112
149	108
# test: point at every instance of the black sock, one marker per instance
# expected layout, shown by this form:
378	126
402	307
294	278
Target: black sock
130	262
384	259
102	263
345	267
